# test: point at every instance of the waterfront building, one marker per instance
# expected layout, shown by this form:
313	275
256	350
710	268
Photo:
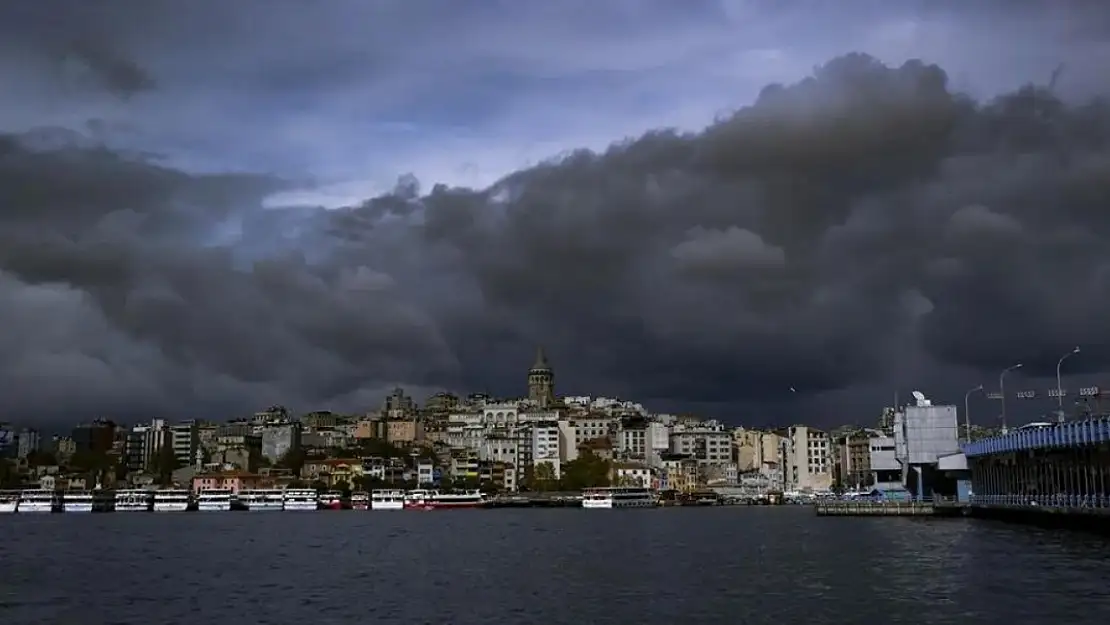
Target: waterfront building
807	460
924	433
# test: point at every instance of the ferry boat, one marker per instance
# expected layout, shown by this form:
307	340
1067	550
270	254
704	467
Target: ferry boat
38	500
132	500
214	500
261	499
387	500
171	500
331	500
434	500
618	497
360	500
300	499
9	501
77	501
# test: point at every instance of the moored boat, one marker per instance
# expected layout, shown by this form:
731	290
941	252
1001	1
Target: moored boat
331	500
77	501
619	497
39	500
436	500
171	500
214	500
300	499
360	500
387	500
9	501
261	499
132	500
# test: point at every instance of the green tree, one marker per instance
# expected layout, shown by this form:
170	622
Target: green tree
165	463
543	477
368	483
292	460
318	485
587	471
343	487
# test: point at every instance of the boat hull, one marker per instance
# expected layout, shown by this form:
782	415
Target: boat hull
264	507
77	507
331	505
443	505
35	506
131	507
387	505
171	507
9	507
214	506
301	506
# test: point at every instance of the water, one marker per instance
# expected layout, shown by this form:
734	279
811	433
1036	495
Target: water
742	565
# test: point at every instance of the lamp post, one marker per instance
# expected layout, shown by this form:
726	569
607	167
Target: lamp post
1059	386
967	412
1002	391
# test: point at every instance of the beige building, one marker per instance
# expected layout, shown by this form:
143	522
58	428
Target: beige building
809	464
405	432
756	451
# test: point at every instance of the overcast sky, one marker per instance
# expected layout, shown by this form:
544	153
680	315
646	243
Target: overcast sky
210	207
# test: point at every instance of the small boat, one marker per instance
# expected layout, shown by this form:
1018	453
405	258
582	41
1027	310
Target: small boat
331	500
39	500
77	501
214	500
435	500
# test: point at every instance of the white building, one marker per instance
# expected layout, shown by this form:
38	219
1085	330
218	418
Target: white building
545	446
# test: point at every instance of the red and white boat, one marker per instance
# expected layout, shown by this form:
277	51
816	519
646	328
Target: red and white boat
331	500
434	500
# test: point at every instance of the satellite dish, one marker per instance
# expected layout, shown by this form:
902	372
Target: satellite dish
919	396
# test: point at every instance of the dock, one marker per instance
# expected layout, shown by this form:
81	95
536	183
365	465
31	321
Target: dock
878	508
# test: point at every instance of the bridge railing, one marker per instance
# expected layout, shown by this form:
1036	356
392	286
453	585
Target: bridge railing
1046	501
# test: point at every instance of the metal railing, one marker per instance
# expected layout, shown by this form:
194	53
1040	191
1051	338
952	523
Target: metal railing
1058	501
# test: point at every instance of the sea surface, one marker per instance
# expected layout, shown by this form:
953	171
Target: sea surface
734	565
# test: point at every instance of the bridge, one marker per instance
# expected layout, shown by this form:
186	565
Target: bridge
1063	469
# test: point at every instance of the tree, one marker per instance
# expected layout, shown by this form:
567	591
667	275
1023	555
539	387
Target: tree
318	485
587	471
343	487
292	460
165	463
368	483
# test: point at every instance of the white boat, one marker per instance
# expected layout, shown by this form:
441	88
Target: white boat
9	501
171	500
387	500
618	497
38	500
435	500
360	500
300	499
132	500
261	499
214	500
77	501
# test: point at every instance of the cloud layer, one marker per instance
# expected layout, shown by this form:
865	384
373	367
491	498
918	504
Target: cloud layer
866	227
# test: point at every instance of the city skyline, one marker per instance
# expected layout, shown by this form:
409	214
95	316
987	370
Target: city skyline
208	230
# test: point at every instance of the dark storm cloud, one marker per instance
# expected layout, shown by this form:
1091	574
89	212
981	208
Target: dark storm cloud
836	232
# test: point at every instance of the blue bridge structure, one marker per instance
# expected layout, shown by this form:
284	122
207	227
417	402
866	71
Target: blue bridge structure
1061	469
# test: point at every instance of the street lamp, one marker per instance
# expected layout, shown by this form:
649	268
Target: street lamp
967	412
1002	391
1059	387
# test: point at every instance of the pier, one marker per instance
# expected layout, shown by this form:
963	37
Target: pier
1057	474
875	508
